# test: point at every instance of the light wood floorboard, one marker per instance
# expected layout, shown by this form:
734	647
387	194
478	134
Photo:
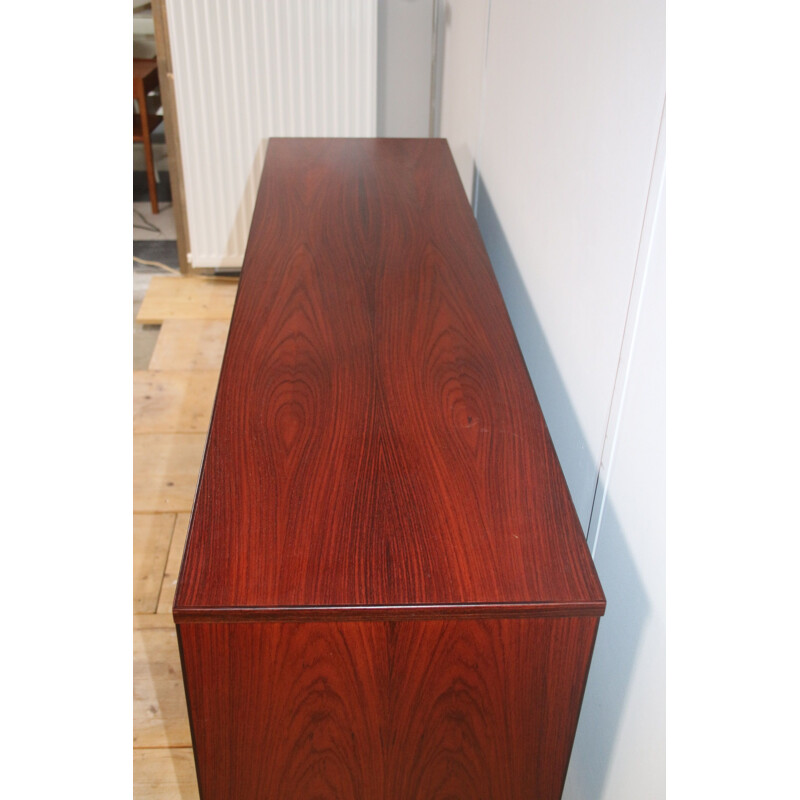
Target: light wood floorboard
172	297
164	774
170	580
173	402
172	406
152	535
160	718
190	344
165	470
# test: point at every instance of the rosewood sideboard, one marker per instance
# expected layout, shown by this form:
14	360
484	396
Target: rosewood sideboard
386	593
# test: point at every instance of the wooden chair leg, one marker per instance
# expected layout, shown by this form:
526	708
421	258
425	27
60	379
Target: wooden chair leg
148	151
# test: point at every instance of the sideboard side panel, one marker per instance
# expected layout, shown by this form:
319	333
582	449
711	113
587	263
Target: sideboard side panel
392	710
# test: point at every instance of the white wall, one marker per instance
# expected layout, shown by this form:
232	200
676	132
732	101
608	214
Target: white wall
571	96
620	746
404	67
461	50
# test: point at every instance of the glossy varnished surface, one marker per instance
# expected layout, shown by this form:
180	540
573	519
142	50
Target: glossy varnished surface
428	710
376	448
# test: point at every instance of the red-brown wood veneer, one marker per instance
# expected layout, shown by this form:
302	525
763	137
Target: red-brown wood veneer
386	592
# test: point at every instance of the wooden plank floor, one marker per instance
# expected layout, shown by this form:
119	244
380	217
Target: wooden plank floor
152	535
159	703
170	577
189	344
166	470
172	403
164	774
171	297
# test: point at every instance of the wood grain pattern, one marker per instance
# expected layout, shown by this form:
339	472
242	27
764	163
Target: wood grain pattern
376	446
187	298
383	711
172	131
190	344
173	401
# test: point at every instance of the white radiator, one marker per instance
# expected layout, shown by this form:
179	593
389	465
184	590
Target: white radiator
246	70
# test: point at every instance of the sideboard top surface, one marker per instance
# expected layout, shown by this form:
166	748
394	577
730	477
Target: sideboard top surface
376	448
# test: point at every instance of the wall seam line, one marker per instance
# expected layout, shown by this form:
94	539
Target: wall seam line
629	333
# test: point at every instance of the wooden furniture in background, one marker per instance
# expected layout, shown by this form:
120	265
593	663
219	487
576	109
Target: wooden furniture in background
386	592
145	80
172	132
